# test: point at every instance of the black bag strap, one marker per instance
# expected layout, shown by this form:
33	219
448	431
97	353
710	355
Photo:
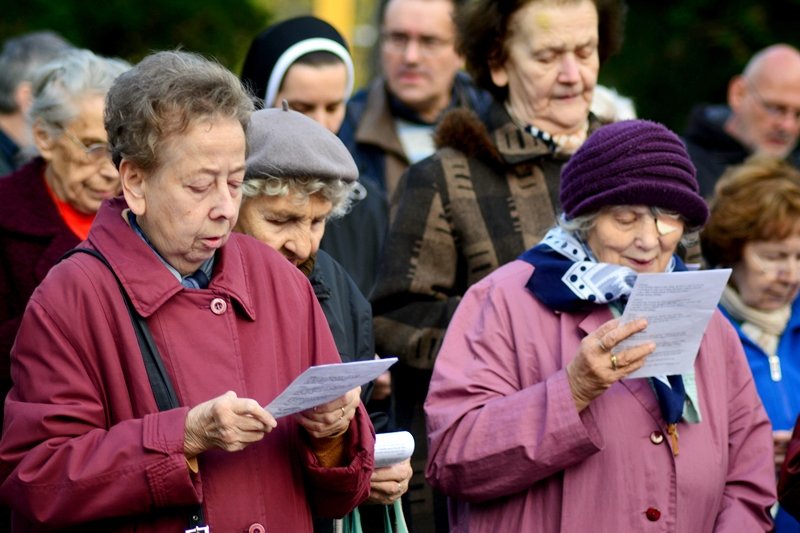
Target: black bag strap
156	372
159	379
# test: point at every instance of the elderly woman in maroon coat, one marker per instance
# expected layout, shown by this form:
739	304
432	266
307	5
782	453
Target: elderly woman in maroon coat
147	415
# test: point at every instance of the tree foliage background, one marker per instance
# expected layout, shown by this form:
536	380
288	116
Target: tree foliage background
676	53
679	53
121	28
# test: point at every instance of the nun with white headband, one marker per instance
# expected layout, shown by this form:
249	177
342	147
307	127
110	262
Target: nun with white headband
306	62
532	425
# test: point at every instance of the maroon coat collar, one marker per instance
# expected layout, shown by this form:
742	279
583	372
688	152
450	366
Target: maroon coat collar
145	278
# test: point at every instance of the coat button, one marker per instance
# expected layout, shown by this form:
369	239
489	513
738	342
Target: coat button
656	437
256	528
652	514
218	306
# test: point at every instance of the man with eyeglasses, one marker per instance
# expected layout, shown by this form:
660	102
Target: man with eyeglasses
762	116
389	125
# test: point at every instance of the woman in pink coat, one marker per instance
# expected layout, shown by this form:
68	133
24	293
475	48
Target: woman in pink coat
93	440
531	425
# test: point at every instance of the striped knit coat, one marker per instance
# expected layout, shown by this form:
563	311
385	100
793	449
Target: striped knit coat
488	193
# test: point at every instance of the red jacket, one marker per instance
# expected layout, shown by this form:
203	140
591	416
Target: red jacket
32	238
84	443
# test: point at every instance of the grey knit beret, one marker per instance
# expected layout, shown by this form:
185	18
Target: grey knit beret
286	144
632	162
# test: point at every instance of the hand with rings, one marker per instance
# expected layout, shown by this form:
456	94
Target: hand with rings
599	363
333	418
387	484
613	355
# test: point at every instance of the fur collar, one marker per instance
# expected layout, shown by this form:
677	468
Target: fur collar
462	130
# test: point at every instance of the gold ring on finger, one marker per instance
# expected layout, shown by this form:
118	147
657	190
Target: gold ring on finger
613	361
342	417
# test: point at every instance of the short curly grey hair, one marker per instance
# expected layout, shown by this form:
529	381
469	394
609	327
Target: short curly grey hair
163	95
59	86
340	193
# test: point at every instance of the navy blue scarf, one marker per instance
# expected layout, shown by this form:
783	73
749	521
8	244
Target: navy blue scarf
568	278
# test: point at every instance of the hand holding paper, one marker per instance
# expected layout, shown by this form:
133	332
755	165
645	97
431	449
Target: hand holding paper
393	471
330	419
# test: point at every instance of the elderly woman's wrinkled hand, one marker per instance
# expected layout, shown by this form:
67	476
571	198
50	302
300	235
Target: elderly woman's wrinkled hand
387	484
599	364
226	422
331	419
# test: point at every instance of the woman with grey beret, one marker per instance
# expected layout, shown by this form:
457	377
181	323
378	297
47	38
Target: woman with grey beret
299	175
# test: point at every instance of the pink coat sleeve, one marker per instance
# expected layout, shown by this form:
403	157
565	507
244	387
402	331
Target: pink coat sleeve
483	417
750	486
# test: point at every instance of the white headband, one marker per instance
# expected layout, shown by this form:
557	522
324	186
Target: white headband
287	59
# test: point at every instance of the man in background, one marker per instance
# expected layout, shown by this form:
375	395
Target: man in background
389	124
762	116
19	58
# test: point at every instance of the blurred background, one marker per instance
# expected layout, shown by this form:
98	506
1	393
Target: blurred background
675	54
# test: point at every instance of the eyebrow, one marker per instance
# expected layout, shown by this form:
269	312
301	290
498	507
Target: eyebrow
282	213
561	47
91	140
313	104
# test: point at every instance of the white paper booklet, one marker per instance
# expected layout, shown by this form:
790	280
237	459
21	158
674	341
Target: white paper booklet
392	448
323	383
677	306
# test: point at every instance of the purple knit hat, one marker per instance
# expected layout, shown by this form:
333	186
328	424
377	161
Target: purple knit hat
632	162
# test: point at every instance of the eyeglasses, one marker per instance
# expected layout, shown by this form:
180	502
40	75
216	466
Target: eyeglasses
666	221
776	111
95	152
777	264
427	45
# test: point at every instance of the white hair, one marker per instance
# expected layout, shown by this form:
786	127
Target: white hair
59	85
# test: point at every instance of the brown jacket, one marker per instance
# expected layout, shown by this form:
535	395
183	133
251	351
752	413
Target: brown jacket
489	193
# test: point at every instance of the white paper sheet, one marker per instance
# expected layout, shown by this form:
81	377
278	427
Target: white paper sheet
677	306
323	383
391	448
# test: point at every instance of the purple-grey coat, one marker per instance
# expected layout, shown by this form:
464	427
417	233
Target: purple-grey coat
509	446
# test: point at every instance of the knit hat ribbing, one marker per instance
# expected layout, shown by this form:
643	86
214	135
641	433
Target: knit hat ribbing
632	162
276	49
